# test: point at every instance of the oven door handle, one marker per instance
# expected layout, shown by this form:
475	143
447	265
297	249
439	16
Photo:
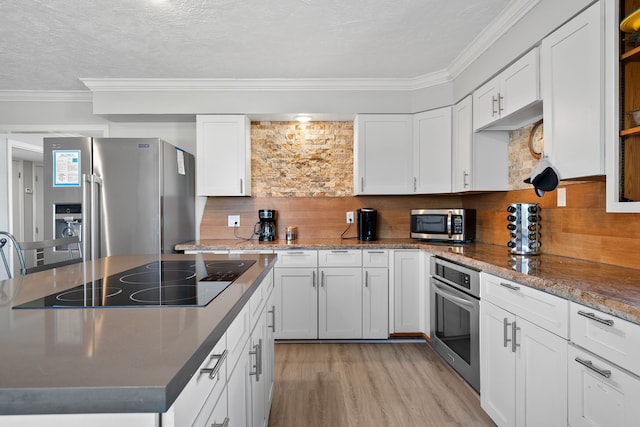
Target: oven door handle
438	289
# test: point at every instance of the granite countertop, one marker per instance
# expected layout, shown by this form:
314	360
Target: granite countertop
106	360
611	289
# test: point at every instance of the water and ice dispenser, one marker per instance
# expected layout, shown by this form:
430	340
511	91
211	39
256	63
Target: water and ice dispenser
67	222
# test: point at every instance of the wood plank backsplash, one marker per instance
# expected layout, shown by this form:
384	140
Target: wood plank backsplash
581	230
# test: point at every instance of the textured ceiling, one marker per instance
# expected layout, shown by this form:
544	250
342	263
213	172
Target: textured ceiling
50	44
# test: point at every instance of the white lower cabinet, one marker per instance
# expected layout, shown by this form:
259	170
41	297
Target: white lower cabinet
347	297
523	372
375	303
600	393
604	364
340	303
296	298
408	289
239	390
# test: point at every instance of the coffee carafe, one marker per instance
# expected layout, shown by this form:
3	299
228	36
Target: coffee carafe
267	225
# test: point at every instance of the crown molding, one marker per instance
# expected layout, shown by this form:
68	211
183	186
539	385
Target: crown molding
346	84
46	95
503	22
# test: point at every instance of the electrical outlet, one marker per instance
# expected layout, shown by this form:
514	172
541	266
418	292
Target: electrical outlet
349	217
233	220
562	197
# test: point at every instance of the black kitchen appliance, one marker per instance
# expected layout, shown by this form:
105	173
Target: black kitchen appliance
185	283
367	224
267	225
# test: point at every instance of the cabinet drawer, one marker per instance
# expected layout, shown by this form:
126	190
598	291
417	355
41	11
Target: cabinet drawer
237	336
610	337
193	397
214	410
375	258
545	310
340	258
299	258
258	299
600	394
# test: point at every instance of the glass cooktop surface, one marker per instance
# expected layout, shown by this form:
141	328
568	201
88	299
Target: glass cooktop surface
184	283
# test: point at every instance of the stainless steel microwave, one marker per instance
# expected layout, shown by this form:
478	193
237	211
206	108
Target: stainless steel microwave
443	225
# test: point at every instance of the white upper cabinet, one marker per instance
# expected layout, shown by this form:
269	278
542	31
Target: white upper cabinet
573	87
432	151
511	99
480	159
223	155
383	148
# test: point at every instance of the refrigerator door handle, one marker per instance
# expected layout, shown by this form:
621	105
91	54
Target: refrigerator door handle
93	181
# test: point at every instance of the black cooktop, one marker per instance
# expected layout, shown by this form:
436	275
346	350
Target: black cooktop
192	283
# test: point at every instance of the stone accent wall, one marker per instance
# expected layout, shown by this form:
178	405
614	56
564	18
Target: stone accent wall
521	162
291	159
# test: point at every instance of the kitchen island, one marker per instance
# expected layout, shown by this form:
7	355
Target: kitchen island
108	360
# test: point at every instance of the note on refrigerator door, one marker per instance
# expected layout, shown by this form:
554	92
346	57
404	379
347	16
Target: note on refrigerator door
66	168
180	159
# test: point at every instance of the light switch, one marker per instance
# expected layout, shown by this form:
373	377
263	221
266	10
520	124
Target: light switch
562	197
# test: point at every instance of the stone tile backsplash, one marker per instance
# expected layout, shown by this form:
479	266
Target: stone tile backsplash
291	159
521	162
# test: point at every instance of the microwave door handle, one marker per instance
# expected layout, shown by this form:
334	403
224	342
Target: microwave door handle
453	298
449	224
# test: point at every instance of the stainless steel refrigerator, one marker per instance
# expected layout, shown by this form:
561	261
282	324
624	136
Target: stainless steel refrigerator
120	195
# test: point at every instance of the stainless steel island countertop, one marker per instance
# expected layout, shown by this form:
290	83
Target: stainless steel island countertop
107	360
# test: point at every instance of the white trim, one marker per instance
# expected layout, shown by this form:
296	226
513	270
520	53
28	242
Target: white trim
169	85
45	96
11	129
503	22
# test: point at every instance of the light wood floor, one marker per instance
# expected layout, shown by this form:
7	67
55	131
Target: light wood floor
350	385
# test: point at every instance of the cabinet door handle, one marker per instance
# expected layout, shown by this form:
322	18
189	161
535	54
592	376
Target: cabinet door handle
313	282
494	111
465	175
593	316
362	184
375	252
589	364
273	318
500	99
415	184
514	331
322	279
339	251
241	186
509	286
225	423
213	372
256	353
295	253
506	325
366	279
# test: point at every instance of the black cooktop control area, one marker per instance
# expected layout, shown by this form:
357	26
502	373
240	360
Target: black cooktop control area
157	284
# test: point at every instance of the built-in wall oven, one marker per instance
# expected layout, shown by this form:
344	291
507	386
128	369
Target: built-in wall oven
455	317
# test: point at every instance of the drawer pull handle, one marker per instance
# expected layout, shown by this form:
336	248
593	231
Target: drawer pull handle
213	372
295	253
375	252
339	252
509	286
592	316
225	423
589	364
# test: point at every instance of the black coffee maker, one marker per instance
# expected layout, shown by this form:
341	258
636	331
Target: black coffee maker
367	224
267	225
